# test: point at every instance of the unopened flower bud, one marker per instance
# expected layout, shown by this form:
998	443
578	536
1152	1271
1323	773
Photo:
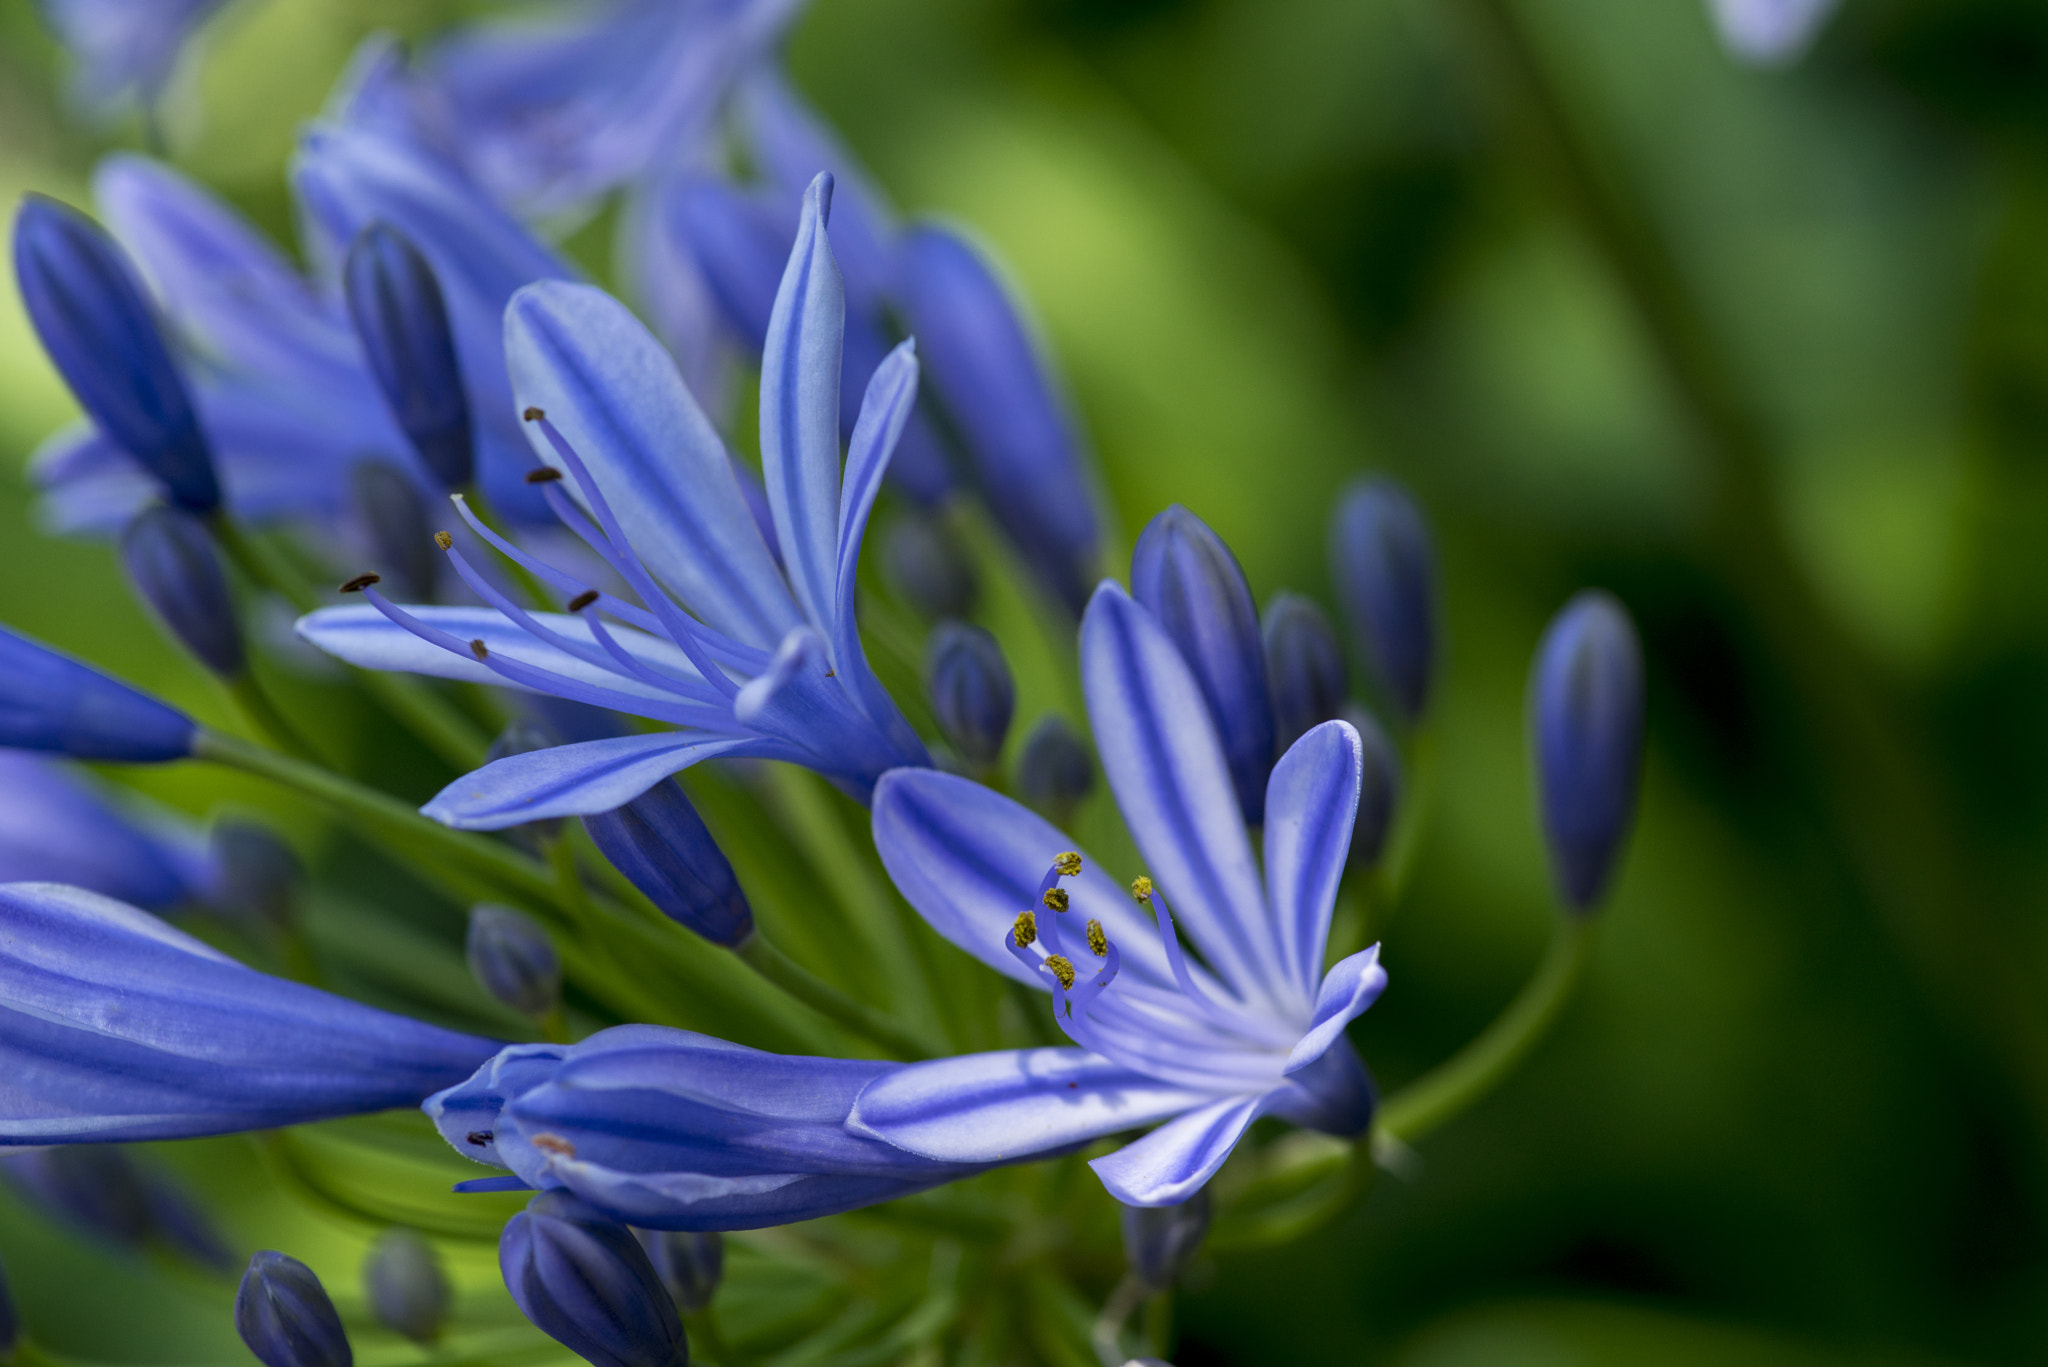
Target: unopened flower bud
283	1314
1379	788
971	690
1385	572
1159	1241
926	565
101	1191
689	1265
1304	668
586	1283
54	703
514	960
662	846
1191	584
395	524
399	314
405	1286
1054	769
171	561
1586	713
101	332
259	873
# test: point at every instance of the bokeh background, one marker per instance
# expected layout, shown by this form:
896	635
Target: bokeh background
1765	352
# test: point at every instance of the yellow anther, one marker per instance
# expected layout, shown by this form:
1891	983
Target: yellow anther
1141	888
1056	898
554	1144
1098	943
1026	929
444	541
1067	865
1061	969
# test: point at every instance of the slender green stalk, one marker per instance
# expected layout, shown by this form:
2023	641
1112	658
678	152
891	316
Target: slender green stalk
264	714
786	973
1483	1064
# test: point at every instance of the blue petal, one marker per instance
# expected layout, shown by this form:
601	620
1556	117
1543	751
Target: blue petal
1012	1104
614	394
117	1027
575	780
56	829
1176	1160
1163	761
1350	988
1311	802
51	702
800	411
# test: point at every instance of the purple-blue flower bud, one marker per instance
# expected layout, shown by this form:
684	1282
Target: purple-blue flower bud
405	1286
972	693
1159	1241
171	561
1190	582
1379	788
740	244
586	1283
514	960
690	1265
999	399
927	567
52	702
101	1191
96	322
1385	572
1054	769
394	522
662	846
402	320
283	1314
1304	668
1586	714
259	873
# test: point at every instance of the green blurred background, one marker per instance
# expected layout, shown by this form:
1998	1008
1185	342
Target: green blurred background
1765	353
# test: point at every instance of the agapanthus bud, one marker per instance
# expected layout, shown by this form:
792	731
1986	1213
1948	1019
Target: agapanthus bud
402	320
660	843
998	397
52	702
170	559
394	520
586	1283
1770	32
1159	1241
740	245
514	960
926	565
1586	713
1190	582
689	1265
101	332
283	1314
972	693
405	1286
1379	788
1054	769
100	1190
1385	572
259	873
1304	668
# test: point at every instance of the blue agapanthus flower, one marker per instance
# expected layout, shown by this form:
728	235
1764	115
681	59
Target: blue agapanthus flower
124	48
742	656
670	1130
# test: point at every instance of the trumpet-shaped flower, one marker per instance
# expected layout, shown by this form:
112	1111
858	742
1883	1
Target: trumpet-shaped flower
765	661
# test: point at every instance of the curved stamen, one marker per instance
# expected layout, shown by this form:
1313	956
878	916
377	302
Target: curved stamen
1148	895
640	668
548	574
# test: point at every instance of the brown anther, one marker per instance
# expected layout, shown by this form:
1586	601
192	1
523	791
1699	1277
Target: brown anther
583	600
1067	865
477	649
1025	930
1056	898
533	415
444	541
546	474
554	1144
479	1137
361	582
1141	888
1061	969
1098	943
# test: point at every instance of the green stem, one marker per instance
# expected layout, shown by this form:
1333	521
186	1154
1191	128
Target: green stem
438	724
786	973
264	714
1482	1065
